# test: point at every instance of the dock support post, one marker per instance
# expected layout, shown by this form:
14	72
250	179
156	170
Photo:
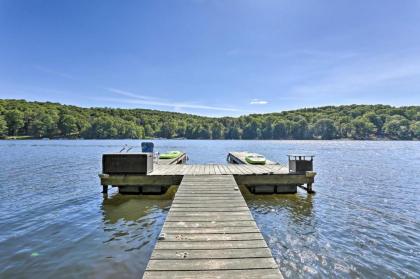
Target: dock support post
309	188
104	189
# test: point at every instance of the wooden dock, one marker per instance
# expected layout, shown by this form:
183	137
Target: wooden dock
239	158
209	231
181	159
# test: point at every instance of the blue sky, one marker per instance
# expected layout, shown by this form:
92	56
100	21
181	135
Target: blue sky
211	57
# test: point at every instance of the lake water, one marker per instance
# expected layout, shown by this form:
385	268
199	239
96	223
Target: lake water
363	222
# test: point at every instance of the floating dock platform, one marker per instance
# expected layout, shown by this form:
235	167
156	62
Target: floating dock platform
240	158
270	178
258	178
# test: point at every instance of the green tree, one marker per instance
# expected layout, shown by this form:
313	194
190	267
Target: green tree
82	124
102	127
298	128
167	130
414	127
325	129
280	130
180	129
361	128
202	133
14	119
43	124
375	120
251	131
217	130
68	125
267	130
132	131
397	127
233	132
3	126
190	132
148	131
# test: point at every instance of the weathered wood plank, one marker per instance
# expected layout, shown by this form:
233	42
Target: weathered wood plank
224	170
213	197
212	205
204	191
211	237
206	209
211	245
209	214
211	274
211	254
222	230
209	202
209	218
212	264
207	224
207	198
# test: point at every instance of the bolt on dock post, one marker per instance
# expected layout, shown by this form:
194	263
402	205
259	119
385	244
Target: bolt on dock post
303	164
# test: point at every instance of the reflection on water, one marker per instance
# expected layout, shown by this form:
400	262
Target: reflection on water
288	223
362	223
133	207
132	223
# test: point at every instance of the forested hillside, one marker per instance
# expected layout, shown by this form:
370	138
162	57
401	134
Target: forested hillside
53	120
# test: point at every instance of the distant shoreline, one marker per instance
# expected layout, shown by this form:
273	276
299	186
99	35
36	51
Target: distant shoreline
25	138
20	119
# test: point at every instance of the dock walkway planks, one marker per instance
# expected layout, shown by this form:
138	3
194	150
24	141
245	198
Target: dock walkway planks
215	169
210	233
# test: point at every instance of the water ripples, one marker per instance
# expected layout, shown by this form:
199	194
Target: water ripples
362	223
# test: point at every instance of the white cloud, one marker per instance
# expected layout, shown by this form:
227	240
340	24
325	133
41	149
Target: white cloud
147	100
130	94
258	102
53	72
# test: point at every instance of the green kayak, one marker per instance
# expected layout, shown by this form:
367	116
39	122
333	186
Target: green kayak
170	155
255	159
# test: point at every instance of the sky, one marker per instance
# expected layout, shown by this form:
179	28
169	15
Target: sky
211	57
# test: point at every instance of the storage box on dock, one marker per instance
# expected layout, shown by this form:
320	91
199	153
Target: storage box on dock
127	163
300	163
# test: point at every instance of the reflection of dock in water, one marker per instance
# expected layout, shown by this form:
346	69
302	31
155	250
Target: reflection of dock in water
134	207
297	206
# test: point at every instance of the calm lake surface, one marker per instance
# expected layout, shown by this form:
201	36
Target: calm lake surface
363	222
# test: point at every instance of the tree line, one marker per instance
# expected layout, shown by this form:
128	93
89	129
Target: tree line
52	120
